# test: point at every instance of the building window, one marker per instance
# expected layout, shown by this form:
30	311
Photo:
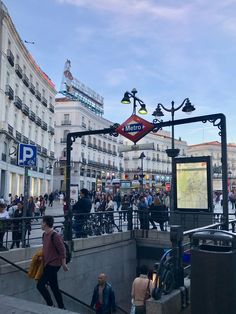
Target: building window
23	98
65	133
66	117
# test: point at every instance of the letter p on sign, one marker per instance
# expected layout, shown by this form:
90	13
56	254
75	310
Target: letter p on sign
27	155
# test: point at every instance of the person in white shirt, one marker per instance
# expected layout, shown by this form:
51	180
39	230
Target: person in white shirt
3	215
141	290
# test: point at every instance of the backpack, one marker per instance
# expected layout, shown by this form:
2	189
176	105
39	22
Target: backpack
68	253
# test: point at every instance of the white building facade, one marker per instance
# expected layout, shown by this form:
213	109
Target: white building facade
27	99
95	160
213	149
156	164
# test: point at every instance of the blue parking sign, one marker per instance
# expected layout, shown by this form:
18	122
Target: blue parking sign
27	155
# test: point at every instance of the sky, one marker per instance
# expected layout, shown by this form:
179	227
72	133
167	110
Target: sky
167	49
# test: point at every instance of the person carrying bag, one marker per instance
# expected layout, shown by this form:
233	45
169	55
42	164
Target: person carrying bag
141	290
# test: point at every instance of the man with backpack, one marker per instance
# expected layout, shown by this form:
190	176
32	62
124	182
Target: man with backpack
54	256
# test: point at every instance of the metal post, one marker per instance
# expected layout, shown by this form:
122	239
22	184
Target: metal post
176	237
25	206
224	173
172	159
142	173
68	216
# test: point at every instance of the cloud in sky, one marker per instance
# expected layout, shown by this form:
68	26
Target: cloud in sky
166	49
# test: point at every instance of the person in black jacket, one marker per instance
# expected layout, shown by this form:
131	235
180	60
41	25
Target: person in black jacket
103	297
159	213
17	226
81	209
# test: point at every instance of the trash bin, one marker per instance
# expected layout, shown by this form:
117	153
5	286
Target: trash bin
213	272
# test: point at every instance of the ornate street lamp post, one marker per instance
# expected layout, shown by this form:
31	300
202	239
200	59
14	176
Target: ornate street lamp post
132	94
173	152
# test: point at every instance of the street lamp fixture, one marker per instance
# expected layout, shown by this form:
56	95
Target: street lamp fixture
187	107
142	156
126	100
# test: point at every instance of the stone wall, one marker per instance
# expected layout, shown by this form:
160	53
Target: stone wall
113	254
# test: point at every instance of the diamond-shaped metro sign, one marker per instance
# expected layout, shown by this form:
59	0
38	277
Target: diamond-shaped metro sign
134	128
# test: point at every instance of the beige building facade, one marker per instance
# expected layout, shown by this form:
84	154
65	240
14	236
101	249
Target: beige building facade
213	149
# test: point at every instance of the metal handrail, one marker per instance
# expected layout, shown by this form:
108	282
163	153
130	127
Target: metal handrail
62	291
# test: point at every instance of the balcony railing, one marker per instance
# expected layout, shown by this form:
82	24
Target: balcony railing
9	92
19	71
38	121
18	136
38	95
66	122
44	151
44	101
25	109
38	148
32	115
18	102
44	126
25	139
51	107
10	57
10	129
25	80
84	160
32	88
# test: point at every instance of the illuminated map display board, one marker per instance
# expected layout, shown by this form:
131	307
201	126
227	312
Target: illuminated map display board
193	183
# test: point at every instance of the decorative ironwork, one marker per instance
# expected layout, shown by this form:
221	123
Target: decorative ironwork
216	122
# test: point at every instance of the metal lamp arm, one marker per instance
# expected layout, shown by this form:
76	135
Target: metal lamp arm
163	107
180	106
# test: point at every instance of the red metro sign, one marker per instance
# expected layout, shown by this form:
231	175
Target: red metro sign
134	128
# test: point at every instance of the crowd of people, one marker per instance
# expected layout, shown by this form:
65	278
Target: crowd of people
152	208
13	208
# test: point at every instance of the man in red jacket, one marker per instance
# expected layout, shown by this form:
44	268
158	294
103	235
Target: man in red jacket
54	256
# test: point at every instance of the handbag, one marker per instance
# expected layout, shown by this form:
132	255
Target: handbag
132	311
